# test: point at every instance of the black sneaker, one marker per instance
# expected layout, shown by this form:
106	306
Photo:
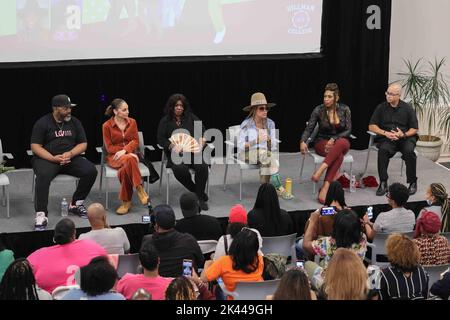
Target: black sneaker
79	211
41	221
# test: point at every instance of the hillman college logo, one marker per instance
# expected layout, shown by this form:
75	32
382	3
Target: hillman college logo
300	18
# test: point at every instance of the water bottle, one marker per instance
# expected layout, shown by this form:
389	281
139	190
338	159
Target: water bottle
353	183
64	208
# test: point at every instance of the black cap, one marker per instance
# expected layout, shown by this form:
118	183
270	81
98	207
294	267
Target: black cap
164	216
61	100
189	204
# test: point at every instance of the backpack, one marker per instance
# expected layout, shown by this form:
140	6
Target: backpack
274	266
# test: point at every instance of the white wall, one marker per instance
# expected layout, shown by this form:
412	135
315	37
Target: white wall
420	29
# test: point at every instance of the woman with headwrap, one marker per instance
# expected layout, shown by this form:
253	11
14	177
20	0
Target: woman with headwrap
437	200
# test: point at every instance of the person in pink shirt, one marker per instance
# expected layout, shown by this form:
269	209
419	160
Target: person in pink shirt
56	265
151	281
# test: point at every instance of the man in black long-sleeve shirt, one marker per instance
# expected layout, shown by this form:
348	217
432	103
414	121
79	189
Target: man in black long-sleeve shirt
173	246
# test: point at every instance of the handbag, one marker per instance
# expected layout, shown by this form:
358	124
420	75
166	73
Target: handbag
154	176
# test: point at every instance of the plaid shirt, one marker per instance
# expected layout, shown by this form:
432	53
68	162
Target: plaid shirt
434	249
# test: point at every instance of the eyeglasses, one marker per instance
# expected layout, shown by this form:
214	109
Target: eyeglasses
391	94
263	108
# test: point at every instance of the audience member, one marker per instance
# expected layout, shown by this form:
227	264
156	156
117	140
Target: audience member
399	219
294	285
345	278
347	233
405	278
236	221
434	249
56	265
243	263
441	288
172	246
200	226
334	198
6	257
183	288
114	240
18	283
266	215
96	282
437	200
151	281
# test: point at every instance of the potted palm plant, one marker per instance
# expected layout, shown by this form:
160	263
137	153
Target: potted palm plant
428	93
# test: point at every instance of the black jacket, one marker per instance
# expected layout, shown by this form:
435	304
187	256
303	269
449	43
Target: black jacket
201	227
173	247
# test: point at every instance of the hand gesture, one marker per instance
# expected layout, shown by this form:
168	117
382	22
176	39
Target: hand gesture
303	148
391	135
119	154
399	133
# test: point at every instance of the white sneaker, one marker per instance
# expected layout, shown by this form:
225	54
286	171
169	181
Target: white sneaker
40	221
219	36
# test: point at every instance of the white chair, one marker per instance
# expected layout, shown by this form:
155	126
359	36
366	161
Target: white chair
434	272
283	245
251	290
169	172
107	172
60	178
4	179
128	263
378	247
207	246
348	158
373	146
61	291
232	156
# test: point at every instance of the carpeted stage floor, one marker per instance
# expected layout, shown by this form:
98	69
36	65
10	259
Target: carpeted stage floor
21	222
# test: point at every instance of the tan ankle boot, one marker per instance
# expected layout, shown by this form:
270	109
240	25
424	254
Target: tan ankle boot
124	208
143	196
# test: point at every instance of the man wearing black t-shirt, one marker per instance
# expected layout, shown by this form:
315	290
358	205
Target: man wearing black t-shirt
395	122
57	141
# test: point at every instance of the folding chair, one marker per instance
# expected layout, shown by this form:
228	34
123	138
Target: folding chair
378	247
251	290
283	245
348	158
108	172
434	272
169	172
4	179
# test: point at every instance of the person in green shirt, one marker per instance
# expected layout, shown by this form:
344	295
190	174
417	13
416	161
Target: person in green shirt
6	257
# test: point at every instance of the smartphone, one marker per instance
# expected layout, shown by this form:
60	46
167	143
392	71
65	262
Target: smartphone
370	212
145	219
327	211
187	267
301	264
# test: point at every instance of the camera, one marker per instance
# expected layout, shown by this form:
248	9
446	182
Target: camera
145	219
187	268
327	211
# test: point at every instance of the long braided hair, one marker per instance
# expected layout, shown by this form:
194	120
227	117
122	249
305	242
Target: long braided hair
440	193
18	282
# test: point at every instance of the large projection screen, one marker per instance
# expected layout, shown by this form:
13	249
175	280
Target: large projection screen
60	30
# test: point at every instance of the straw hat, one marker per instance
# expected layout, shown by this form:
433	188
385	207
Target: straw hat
258	99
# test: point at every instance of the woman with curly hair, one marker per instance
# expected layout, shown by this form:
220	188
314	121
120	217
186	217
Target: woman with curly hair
405	278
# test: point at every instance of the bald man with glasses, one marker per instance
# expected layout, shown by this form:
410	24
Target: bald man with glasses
395	123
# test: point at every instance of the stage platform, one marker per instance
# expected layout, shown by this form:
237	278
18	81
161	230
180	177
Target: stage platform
22	208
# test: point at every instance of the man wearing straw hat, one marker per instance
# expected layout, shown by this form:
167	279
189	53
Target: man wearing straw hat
258	144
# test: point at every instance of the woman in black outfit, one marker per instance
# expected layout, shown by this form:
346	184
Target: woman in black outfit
266	215
178	115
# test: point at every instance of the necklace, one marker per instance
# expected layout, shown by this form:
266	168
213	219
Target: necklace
60	127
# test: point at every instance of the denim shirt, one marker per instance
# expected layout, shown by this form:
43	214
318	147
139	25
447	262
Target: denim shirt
249	133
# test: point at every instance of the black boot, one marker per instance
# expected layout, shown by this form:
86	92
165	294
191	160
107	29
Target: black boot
382	189
412	189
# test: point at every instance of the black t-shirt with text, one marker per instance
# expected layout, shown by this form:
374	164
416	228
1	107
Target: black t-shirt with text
58	138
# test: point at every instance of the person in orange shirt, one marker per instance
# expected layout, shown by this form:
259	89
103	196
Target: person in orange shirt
243	263
121	140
